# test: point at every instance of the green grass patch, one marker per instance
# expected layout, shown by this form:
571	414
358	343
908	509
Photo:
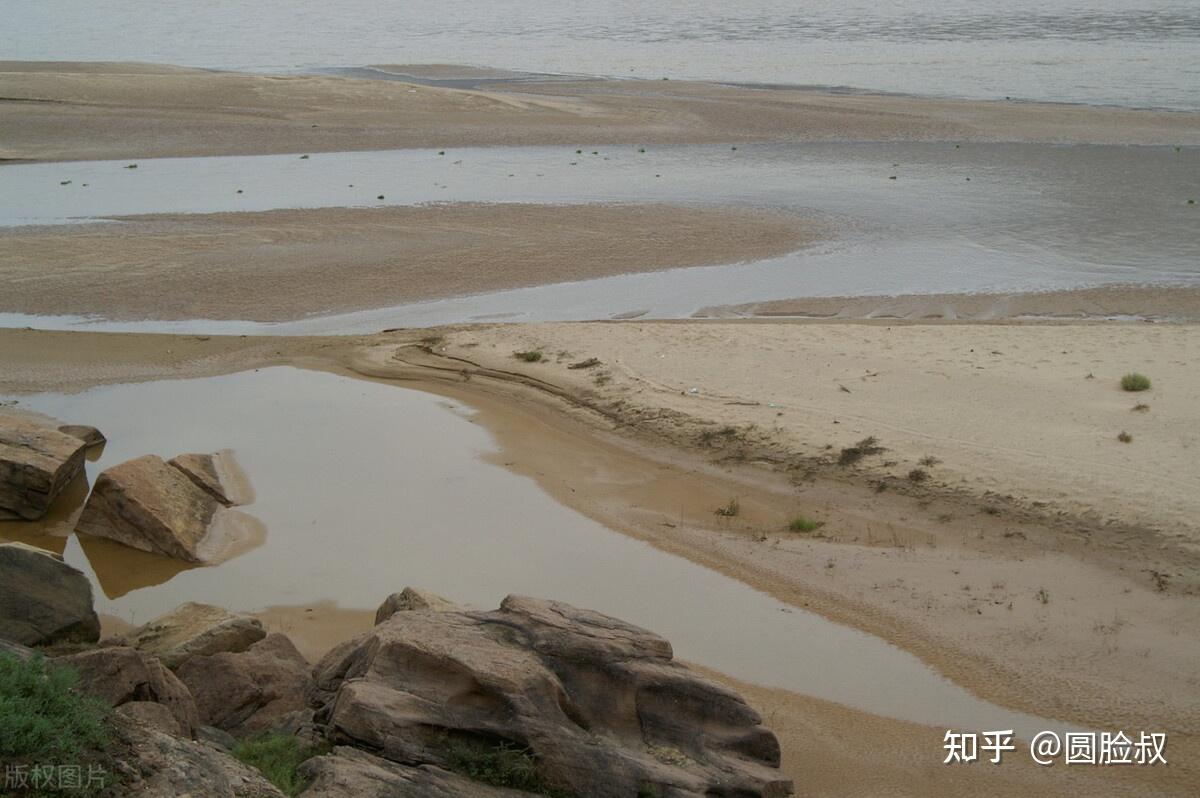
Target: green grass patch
277	756
532	356
1135	382
501	764
802	524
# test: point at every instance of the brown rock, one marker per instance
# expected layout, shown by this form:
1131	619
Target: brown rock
147	504
599	704
412	599
36	463
164	766
218	475
193	629
350	773
251	691
42	599
121	675
88	434
153	715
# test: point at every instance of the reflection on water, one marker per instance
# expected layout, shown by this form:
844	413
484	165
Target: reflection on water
366	488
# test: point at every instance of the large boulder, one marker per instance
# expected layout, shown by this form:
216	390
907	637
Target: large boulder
123	676
151	505
193	629
42	599
350	773
250	691
597	705
412	599
160	765
218	475
36	463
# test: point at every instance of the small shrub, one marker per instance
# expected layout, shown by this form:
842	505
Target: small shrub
918	475
1042	596
1124	437
929	461
501	764
730	510
802	524
532	356
852	454
1135	382
277	756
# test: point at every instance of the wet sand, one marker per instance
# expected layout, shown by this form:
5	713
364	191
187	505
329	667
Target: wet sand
286	264
945	570
1171	303
81	111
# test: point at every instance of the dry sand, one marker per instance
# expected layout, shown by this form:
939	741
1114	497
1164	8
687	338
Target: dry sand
79	111
940	568
285	264
1174	303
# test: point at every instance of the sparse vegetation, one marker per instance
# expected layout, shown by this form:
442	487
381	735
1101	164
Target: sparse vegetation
43	721
532	356
591	362
929	461
918	475
1135	382
277	756
1042	596
501	764
852	454
1141	407
1124	437
802	524
729	510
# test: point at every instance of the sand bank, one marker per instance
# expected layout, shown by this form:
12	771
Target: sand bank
80	111
1173	303
286	264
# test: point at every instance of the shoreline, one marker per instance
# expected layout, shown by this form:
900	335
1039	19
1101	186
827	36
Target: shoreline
56	111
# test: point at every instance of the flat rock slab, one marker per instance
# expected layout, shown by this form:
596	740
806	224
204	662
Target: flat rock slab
152	505
84	432
36	463
218	475
195	630
42	599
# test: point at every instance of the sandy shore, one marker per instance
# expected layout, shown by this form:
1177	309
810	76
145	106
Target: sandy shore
1174	303
1061	615
79	111
286	264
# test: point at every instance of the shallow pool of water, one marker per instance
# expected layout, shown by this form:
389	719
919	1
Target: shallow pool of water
365	488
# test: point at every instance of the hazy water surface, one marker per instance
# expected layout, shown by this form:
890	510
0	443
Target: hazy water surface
1141	53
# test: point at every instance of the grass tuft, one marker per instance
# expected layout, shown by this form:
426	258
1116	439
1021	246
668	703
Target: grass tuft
918	475
852	454
1125	437
730	510
1135	382
532	356
277	756
503	764
802	524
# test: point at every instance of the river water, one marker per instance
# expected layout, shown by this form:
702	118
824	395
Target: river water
1143	53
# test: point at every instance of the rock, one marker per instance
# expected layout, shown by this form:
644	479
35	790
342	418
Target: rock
122	675
411	599
16	650
213	736
218	475
154	715
160	765
250	691
350	773
149	505
36	463
598	704
195	630
88	434
42	599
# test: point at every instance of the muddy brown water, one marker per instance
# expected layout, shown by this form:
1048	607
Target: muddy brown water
366	487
